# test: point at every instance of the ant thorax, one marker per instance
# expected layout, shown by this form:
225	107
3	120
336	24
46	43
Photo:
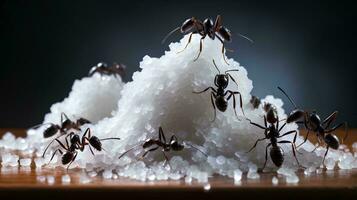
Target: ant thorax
273	133
315	122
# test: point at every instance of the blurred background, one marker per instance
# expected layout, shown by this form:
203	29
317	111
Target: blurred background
306	47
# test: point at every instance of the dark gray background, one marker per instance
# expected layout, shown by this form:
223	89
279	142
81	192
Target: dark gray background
309	48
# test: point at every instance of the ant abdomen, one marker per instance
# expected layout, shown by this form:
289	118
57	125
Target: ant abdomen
295	115
277	155
67	158
332	141
95	142
221	103
50	131
225	34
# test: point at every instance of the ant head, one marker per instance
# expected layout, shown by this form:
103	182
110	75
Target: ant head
272	116
75	138
221	80
176	146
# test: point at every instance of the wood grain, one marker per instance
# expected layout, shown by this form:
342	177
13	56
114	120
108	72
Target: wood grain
22	183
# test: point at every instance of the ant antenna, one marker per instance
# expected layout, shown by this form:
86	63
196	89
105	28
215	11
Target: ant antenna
216	66
39	125
128	150
291	101
245	37
190	145
232	70
112	138
169	34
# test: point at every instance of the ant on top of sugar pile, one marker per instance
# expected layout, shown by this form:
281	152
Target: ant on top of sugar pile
312	122
103	69
154	144
204	29
272	133
66	125
218	96
76	143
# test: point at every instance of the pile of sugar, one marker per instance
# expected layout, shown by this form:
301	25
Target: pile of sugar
161	94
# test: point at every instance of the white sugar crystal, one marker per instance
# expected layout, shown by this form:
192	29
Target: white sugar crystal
107	174
292	179
237	175
50	179
66	179
220	160
41	179
39	162
207	187
115	176
275	180
92	174
253	175
188	179
83	178
330	163
25	162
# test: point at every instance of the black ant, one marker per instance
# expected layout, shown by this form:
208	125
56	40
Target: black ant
104	69
75	144
218	97
255	101
66	125
272	133
312	122
205	28
161	142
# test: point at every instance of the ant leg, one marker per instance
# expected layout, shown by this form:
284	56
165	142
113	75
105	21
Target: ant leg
189	41
54	153
223	48
294	140
199	53
161	135
281	128
205	90
72	161
148	151
323	160
266	157
293	147
305	139
240	100
166	159
255	144
319	144
330	119
257	125
214	106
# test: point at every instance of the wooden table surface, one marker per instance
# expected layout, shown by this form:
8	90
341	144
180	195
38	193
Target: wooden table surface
22	182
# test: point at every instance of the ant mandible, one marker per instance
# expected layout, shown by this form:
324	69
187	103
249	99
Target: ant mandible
66	125
161	142
312	122
75	144
103	69
204	29
272	133
218	97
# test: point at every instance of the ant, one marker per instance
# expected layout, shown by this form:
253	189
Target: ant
272	133
161	142
76	143
102	68
66	125
205	28
255	101
218	97
312	122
